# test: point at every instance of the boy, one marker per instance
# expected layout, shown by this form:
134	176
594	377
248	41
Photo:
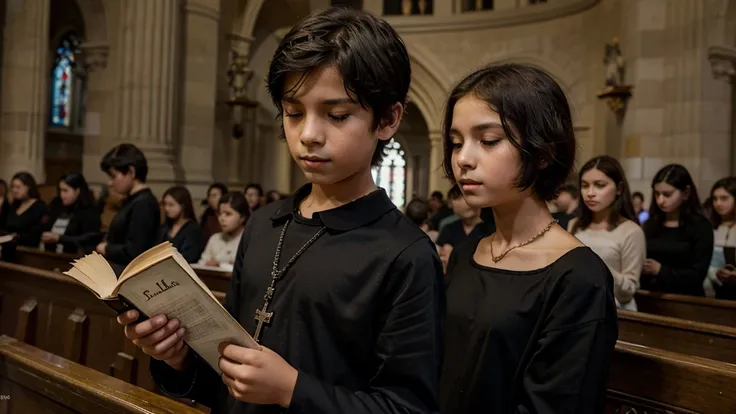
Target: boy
342	291
134	228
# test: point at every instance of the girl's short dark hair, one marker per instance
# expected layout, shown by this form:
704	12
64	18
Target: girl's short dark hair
182	197
623	208
529	101
366	50
679	177
728	184
124	156
77	181
237	201
27	179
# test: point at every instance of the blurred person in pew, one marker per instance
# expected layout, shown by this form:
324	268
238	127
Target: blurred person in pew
208	222
418	212
4	203
567	203
272	196
27	214
721	280
254	195
531	317
75	226
134	228
180	226
607	224
637	199
469	225
679	236
233	213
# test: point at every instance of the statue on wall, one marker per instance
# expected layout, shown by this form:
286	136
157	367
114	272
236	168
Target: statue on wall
614	62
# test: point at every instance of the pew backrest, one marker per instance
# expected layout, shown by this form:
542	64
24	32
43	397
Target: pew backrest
694	308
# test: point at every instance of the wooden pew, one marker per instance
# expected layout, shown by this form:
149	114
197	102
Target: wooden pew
653	381
694	308
704	340
34	381
60	262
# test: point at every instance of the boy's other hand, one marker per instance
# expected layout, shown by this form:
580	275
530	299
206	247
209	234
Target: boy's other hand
159	337
257	377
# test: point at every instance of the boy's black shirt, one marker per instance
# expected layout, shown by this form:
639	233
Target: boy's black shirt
359	314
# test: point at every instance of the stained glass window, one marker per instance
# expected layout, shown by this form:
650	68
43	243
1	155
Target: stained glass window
62	82
391	174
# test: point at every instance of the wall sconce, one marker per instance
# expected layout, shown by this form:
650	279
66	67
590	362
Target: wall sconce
242	108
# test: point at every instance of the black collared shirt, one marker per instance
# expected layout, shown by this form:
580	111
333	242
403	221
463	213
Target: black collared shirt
133	229
359	313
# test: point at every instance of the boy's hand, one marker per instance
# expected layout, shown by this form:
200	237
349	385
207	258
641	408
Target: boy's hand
257	377
158	337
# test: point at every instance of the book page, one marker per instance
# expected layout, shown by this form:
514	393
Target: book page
6	238
168	288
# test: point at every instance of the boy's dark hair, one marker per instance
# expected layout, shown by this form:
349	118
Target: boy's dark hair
528	100
124	156
256	187
637	194
367	52
237	201
454	192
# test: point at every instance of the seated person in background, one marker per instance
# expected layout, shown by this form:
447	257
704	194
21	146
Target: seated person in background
567	204
721	280
608	226
75	226
418	212
254	195
208	222
180	227
637	199
27	213
469	226
438	211
222	247
272	196
4	203
134	228
679	236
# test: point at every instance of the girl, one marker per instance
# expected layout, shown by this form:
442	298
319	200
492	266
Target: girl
221	248
254	195
180	227
76	227
531	319
608	225
679	237
25	220
721	280
209	222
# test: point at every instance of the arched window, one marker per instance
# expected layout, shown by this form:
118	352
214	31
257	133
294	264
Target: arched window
391	174
66	86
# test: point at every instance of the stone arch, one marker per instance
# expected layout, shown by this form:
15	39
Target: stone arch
428	86
250	16
95	23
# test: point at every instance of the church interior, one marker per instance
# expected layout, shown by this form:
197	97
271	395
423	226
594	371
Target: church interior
651	83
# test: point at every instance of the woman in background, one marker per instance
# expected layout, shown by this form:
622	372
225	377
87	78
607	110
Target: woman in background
180	227
209	222
75	227
721	280
607	224
25	220
221	248
679	237
254	195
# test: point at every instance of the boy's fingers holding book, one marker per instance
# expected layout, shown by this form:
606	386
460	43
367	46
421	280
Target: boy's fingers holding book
128	317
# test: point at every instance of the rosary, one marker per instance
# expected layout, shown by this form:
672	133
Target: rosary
263	315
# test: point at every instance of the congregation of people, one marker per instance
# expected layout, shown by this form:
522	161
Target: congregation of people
72	221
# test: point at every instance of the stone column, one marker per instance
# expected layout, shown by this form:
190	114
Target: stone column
437	179
148	83
24	90
723	65
199	101
241	152
94	56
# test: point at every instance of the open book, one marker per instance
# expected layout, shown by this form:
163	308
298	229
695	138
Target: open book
161	281
5	238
